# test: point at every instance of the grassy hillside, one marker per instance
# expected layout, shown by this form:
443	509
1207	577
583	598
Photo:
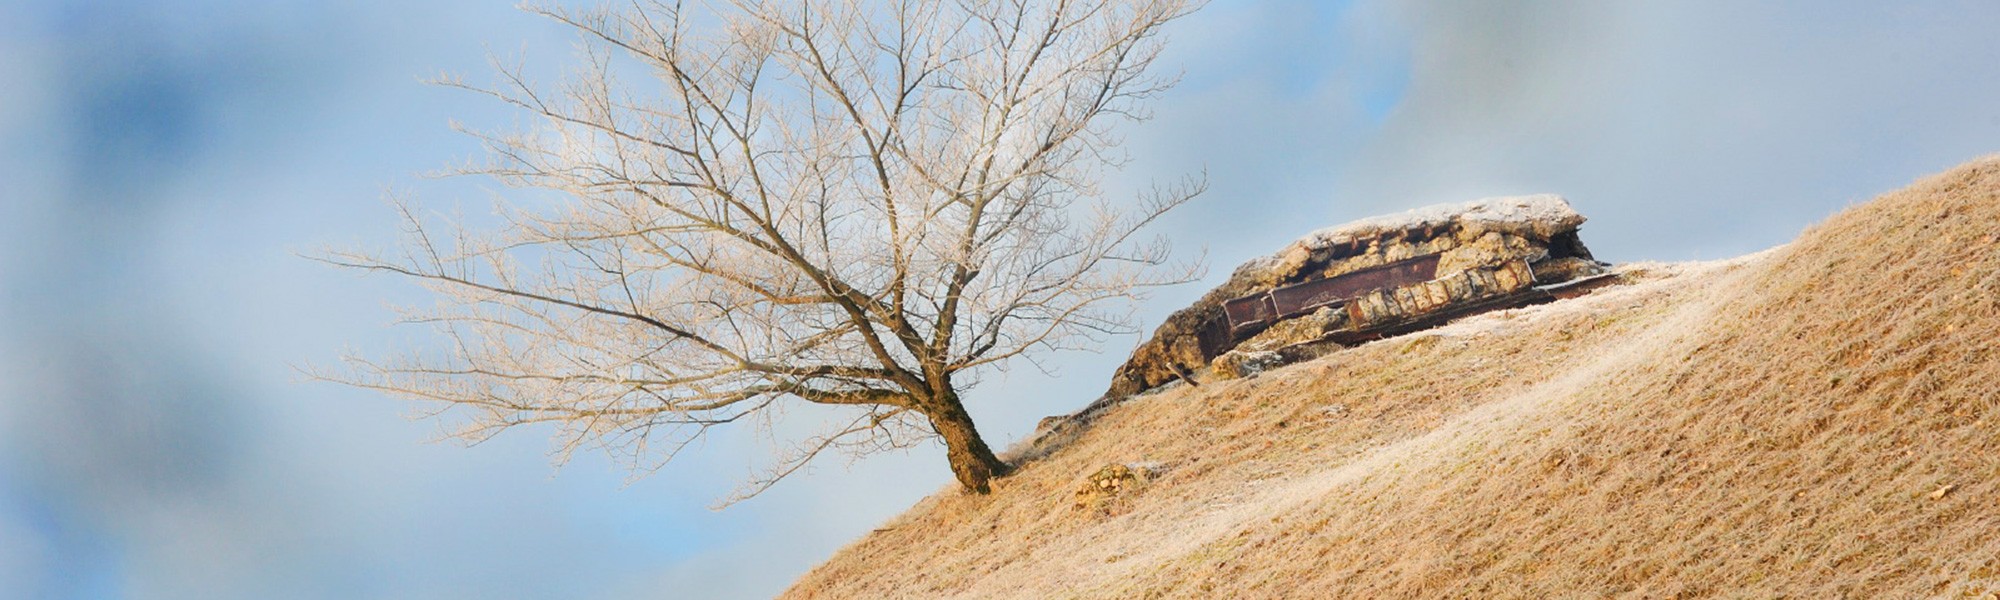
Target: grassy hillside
1818	420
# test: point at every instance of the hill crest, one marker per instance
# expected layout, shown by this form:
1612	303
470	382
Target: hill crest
1814	420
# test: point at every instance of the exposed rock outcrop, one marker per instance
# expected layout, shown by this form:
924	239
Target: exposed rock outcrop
1351	283
1483	249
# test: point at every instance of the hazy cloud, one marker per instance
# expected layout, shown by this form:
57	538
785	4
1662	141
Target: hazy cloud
1686	129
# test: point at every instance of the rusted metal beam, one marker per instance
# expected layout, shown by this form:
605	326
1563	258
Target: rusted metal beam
1252	313
1302	298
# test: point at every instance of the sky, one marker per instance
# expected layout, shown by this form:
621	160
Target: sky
163	163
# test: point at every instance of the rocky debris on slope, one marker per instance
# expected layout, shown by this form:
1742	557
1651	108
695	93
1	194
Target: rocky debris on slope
1097	491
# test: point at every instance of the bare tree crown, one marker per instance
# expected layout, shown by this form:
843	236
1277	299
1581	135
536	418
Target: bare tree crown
862	204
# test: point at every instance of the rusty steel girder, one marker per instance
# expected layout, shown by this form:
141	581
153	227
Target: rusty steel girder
1260	310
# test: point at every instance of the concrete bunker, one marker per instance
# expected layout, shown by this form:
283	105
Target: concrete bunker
1370	279
1352	283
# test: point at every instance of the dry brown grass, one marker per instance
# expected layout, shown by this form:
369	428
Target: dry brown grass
1819	420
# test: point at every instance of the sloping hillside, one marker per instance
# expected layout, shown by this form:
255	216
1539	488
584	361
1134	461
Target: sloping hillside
1818	420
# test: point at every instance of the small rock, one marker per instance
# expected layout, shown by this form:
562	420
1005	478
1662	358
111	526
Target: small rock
1050	423
1943	491
1111	481
1239	364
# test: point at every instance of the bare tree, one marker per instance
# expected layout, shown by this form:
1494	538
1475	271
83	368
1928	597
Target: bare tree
859	204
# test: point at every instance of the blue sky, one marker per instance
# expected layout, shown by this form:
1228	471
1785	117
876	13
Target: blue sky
163	163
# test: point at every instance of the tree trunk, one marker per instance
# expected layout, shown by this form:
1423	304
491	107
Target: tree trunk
971	460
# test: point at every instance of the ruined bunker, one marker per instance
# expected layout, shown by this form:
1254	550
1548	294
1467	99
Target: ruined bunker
1370	279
